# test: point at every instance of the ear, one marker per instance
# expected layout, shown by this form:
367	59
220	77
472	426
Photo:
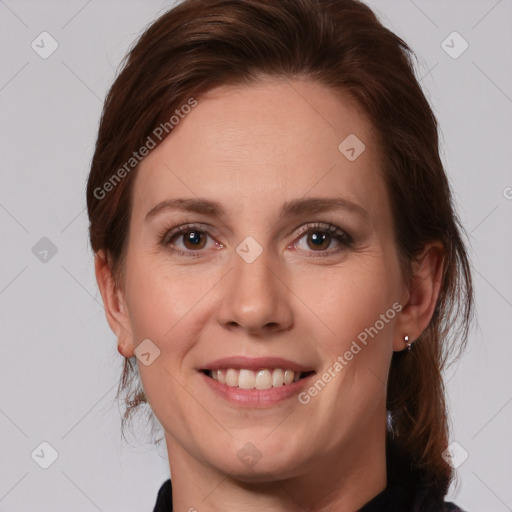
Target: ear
420	295
115	305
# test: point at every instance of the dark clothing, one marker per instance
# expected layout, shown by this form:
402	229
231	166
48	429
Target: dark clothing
164	498
406	492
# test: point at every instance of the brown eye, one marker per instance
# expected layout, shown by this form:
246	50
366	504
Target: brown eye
194	240
319	240
190	240
324	239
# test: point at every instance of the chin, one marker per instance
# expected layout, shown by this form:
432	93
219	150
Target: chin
252	464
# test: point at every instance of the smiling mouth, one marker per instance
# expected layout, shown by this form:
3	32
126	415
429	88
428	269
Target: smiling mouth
264	378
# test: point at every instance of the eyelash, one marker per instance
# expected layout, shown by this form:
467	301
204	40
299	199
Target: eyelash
169	234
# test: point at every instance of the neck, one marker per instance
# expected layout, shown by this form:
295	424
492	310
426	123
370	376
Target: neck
345	481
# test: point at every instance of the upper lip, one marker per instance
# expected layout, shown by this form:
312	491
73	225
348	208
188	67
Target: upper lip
256	363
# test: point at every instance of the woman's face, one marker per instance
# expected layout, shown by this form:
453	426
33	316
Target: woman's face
276	269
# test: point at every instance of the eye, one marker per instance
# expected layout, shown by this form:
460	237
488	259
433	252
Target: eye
187	239
319	237
190	240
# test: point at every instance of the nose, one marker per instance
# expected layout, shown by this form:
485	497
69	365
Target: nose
255	297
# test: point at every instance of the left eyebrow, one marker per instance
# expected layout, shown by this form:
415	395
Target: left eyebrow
294	207
314	205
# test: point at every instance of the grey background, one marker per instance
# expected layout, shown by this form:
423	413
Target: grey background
59	367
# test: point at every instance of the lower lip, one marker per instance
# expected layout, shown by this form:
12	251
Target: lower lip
256	397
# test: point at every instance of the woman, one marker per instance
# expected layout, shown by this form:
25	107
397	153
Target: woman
275	244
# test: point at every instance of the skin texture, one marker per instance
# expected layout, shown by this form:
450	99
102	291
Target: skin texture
252	148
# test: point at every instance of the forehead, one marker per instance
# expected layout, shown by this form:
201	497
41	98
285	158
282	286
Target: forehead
272	141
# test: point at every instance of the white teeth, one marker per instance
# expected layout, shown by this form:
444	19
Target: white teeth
277	377
232	378
288	377
262	379
220	376
246	379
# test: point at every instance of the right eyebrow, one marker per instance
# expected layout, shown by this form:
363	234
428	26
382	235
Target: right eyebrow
203	206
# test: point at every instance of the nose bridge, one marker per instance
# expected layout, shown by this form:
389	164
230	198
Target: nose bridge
255	297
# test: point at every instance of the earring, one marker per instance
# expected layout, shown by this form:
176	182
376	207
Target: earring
409	344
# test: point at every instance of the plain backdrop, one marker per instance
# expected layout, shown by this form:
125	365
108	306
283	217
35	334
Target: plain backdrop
59	366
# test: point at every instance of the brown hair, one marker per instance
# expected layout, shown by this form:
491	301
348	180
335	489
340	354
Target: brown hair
201	44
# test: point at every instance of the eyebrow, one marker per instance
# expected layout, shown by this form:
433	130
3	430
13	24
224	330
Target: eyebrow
294	207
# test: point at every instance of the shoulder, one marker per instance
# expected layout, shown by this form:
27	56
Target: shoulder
448	506
419	493
437	506
164	498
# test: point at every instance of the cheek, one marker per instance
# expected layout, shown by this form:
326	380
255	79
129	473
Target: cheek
361	310
350	299
163	307
161	297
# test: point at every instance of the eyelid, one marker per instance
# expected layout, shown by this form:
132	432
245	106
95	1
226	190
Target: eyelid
170	233
321	226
